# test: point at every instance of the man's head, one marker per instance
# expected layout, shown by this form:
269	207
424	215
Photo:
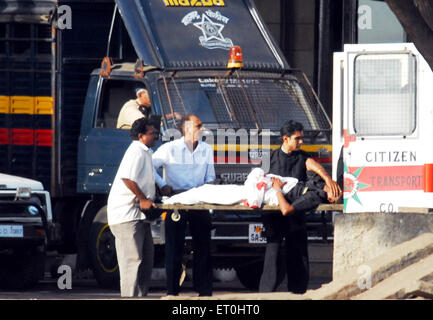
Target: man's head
191	126
145	130
292	135
143	97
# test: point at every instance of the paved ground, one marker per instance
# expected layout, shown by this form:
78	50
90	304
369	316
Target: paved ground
88	289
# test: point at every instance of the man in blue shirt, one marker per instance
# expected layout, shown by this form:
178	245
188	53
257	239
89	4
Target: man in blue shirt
188	163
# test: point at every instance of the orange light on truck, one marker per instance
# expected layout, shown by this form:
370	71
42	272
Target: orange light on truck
106	65
235	58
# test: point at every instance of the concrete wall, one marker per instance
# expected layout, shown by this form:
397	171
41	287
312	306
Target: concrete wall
270	10
293	24
300	35
359	237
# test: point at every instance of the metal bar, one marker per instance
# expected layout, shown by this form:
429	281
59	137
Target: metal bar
111	30
226	100
250	107
169	100
205	206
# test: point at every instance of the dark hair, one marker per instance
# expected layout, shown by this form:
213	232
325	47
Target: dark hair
290	127
142	125
185	119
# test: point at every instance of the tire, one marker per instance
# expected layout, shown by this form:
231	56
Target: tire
103	259
249	273
22	269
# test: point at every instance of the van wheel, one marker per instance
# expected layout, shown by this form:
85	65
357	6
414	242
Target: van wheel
103	257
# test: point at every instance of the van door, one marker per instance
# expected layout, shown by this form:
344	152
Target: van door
101	145
383	154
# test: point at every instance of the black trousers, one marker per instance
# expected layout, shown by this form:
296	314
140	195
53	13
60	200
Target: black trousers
294	232
296	255
200	228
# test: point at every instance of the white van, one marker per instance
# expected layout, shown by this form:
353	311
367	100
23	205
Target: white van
383	122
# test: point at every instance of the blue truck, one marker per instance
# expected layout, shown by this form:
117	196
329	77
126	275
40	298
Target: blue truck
66	69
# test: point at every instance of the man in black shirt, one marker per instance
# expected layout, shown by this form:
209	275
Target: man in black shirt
291	161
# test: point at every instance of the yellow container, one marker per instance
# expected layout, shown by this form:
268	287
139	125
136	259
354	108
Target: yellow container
5	104
43	105
22	105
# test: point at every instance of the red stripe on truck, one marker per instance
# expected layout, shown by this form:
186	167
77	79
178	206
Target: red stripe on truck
26	137
395	178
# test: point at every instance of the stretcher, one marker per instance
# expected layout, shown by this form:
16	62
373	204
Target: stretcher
208	206
239	209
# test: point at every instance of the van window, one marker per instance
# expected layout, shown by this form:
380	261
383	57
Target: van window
384	94
114	94
249	103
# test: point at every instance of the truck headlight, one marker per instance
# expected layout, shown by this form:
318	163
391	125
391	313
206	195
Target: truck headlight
33	210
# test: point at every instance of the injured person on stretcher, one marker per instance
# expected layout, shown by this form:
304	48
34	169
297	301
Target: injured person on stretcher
288	193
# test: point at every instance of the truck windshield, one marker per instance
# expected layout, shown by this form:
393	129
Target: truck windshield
250	103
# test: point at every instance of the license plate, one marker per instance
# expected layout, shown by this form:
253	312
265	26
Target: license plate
255	233
11	231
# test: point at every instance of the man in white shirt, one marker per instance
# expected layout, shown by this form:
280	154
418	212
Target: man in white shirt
133	192
134	109
188	163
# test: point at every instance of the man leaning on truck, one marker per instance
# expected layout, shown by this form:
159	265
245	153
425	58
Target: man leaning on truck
133	191
134	109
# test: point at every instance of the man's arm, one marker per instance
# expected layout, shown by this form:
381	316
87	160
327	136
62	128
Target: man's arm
164	188
285	207
159	180
333	187
210	169
145	204
159	158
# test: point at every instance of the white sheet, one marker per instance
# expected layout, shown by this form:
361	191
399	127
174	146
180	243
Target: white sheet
209	193
256	191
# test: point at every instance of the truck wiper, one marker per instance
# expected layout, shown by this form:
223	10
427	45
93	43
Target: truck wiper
250	107
226	101
170	103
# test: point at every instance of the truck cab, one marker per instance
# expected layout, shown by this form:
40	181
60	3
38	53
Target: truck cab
59	105
185	66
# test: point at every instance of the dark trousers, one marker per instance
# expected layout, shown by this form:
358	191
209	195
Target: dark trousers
293	230
200	228
296	255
